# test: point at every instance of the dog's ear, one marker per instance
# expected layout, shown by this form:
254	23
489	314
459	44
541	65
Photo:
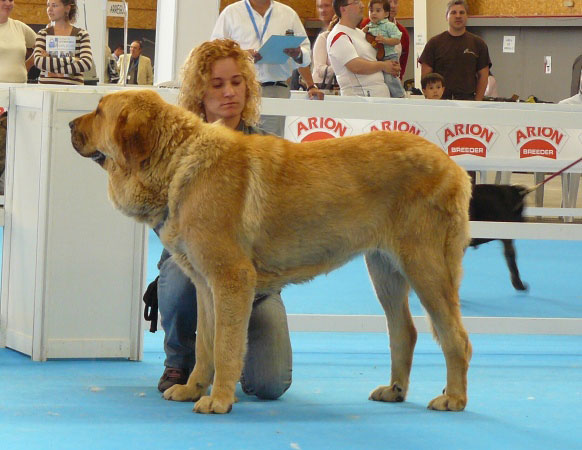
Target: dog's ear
134	136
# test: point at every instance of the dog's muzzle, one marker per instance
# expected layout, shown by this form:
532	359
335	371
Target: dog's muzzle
78	141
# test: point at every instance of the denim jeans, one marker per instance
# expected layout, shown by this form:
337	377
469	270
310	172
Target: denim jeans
394	84
177	306
268	363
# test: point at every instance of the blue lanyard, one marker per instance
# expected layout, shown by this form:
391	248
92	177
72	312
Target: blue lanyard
252	16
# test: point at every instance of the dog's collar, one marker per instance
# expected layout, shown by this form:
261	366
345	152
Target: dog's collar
161	224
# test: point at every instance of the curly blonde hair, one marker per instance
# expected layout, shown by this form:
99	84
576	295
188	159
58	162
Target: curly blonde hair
196	75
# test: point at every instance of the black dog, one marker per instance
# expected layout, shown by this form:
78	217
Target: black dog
499	203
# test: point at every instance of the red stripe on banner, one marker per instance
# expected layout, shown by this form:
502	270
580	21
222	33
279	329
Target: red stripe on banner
337	36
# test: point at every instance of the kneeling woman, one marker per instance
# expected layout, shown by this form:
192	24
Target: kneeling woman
219	84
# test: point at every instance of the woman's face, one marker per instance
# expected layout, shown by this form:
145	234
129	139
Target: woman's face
225	96
6	7
57	11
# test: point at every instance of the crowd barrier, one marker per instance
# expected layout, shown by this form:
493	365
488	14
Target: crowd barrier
74	268
481	136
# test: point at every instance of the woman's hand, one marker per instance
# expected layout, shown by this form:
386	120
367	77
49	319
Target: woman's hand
392	67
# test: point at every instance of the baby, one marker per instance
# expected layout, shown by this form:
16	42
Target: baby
388	34
433	86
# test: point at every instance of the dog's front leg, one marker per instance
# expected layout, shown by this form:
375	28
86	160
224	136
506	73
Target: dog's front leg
201	376
234	292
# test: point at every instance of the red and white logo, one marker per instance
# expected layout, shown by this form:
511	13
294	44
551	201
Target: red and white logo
467	139
2	110
305	129
395	125
546	142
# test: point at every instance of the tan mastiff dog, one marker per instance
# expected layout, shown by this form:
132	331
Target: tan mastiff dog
250	214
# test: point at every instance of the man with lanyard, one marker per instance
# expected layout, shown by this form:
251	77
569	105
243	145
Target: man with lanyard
459	56
251	23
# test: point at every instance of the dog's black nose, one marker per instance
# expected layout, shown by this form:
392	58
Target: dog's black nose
72	124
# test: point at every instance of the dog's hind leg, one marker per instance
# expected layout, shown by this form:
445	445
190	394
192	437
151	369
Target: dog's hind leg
392	292
435	276
509	252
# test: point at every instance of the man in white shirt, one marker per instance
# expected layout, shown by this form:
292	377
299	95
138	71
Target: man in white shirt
353	59
251	23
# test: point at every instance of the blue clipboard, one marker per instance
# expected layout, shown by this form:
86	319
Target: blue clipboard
272	50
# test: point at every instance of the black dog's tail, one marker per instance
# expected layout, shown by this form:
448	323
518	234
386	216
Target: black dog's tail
555	174
522	192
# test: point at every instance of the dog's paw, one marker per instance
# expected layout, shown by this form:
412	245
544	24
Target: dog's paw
448	402
213	405
393	393
181	393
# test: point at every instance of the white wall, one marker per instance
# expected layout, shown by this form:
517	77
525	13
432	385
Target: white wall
92	17
429	20
180	26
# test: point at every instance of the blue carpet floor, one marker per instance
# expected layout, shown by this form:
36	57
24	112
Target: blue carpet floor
524	391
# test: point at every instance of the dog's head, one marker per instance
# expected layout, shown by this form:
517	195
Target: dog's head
124	135
122	132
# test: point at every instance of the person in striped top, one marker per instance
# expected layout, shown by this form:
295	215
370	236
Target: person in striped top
62	52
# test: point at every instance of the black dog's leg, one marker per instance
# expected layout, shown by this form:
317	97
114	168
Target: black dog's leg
509	252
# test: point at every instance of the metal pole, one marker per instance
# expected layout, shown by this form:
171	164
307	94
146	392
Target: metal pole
125	61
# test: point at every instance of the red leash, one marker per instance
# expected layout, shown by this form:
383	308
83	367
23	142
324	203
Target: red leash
553	175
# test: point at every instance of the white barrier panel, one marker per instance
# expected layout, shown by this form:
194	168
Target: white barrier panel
487	325
477	135
73	267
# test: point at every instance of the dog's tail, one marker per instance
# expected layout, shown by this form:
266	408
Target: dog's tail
535	188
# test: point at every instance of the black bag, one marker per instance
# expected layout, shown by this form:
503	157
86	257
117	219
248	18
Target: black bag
150	298
327	85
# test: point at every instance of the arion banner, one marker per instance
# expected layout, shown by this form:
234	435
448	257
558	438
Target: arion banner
475	144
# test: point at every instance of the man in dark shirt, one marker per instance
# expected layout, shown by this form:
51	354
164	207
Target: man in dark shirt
462	58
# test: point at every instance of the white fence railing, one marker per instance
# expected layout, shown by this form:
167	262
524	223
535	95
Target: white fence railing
495	130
